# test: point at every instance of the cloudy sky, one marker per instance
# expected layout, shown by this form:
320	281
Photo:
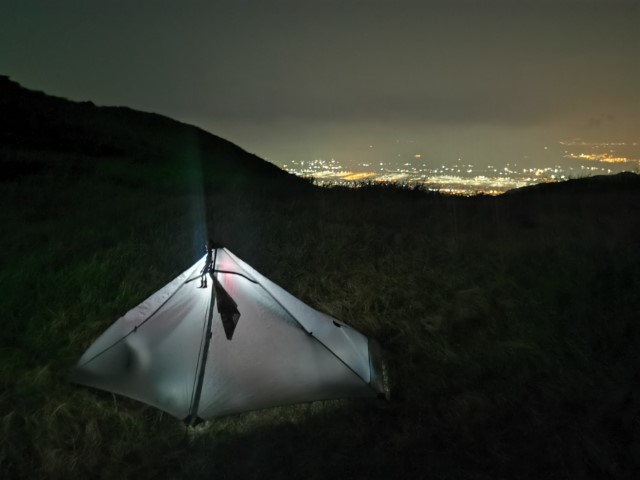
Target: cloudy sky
356	80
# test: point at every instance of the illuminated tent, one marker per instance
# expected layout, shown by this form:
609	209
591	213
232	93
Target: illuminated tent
242	343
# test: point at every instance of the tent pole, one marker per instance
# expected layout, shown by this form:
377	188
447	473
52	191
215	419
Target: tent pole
193	418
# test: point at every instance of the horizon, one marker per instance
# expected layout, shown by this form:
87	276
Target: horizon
431	87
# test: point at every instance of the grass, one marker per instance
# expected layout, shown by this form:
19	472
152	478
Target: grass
510	327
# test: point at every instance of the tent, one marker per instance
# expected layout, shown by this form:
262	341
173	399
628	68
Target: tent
242	343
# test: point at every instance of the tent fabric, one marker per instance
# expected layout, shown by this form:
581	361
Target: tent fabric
177	352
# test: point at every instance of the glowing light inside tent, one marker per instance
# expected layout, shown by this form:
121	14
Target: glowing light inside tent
175	355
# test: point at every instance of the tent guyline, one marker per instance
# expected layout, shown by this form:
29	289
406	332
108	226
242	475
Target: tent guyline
173	350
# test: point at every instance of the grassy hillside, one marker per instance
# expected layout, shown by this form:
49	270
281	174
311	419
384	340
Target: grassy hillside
510	324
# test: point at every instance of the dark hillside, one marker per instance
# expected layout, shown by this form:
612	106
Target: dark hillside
510	323
38	131
588	185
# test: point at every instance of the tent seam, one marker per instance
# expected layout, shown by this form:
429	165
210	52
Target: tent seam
135	328
367	383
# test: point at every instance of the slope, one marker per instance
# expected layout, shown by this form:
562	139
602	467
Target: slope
41	132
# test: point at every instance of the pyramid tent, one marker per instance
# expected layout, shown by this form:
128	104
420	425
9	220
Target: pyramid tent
242	343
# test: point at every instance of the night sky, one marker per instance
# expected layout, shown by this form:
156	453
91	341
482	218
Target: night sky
358	81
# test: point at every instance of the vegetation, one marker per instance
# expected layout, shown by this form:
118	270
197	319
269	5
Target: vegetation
510	324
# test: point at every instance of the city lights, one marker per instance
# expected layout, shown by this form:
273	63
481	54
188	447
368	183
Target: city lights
467	179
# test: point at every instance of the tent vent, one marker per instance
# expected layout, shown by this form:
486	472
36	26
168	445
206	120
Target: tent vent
337	324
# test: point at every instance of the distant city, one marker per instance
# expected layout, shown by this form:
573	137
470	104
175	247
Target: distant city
579	159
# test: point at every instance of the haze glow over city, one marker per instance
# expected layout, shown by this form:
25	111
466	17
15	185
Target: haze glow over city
463	95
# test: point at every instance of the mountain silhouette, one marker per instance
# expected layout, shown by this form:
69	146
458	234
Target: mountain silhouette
623	181
39	131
